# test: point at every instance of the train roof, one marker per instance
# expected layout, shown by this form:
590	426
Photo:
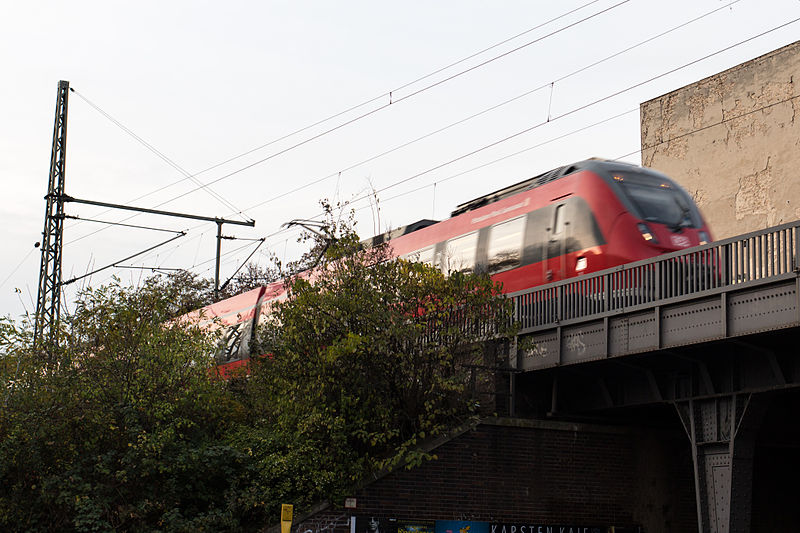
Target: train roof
399	232
537	181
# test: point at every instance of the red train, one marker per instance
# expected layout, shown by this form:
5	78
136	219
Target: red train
573	220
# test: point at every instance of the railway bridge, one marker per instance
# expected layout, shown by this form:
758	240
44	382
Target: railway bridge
710	332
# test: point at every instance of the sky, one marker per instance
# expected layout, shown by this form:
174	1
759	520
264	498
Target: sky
259	110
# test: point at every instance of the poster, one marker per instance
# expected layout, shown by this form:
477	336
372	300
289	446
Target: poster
415	526
461	526
375	524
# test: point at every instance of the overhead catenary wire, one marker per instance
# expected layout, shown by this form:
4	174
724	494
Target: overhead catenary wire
197	252
647	147
671	139
69	281
384	106
572	111
147	256
224	254
158	153
636	85
295	230
514	154
488	109
396	101
152	268
244	239
496	45
14	271
376	98
222	287
642	149
153	253
137	226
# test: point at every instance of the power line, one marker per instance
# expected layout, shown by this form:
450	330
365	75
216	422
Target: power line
157	152
136	226
647	147
514	154
373	111
575	110
18	266
488	109
222	288
371	100
571	112
391	102
122	260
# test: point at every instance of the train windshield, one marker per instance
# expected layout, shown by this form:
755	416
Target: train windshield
658	201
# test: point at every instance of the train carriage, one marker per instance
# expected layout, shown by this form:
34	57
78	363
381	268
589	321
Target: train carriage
571	221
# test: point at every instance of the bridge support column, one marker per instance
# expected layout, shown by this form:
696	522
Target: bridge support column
722	432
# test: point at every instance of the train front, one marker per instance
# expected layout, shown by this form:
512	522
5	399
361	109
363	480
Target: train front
659	215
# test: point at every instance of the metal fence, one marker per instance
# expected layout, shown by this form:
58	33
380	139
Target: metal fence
749	259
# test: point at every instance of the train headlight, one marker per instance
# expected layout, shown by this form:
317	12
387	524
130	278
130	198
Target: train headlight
704	238
581	264
647	235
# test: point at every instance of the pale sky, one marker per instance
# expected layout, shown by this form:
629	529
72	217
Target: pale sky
203	82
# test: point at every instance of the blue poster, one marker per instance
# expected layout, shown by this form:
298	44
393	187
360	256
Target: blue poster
461	526
416	526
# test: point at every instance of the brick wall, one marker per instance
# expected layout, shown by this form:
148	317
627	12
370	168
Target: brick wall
517	471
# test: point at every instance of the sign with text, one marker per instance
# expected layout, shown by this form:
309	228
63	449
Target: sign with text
553	528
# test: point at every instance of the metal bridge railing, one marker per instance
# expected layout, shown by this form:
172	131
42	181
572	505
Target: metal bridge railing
752	258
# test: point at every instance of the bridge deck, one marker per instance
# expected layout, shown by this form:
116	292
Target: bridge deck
732	288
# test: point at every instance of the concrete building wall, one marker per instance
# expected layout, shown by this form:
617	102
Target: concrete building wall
733	141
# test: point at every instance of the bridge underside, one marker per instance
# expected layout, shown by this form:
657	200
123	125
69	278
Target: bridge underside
718	390
708	335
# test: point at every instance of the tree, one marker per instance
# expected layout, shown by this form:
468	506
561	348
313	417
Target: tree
126	431
370	355
253	276
178	292
124	427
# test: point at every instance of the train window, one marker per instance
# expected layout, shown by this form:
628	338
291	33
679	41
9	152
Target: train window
423	256
459	254
505	245
558	220
658	202
234	344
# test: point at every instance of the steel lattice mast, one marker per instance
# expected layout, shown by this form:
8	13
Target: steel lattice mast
48	301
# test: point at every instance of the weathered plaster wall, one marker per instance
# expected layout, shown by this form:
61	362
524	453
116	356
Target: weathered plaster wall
733	141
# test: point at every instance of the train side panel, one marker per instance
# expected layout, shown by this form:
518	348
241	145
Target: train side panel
596	216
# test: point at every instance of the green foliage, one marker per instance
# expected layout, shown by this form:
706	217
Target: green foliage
251	277
121	429
367	362
179	292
